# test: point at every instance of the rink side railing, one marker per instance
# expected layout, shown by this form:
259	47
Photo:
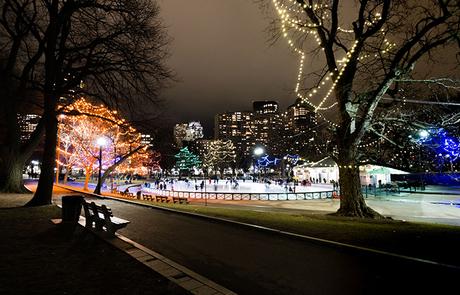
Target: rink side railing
245	196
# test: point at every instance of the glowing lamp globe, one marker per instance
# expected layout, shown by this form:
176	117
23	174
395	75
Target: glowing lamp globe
258	151
101	141
423	133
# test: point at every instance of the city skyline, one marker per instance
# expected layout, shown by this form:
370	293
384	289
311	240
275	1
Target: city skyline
223	60
224	57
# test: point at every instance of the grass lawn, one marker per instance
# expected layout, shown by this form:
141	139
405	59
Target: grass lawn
435	242
38	257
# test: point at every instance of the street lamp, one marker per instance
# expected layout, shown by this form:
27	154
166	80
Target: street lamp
258	151
101	142
423	134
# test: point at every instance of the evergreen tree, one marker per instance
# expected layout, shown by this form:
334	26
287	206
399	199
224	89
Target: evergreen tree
186	160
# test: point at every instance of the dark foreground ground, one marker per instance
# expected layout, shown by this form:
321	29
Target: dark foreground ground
38	257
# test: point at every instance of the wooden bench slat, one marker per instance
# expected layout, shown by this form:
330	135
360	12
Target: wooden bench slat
102	216
180	200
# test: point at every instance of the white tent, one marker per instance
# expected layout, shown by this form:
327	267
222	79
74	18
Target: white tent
327	170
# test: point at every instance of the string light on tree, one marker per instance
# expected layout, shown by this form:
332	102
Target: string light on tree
285	10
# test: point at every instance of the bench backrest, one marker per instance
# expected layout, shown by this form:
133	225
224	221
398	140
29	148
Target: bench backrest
106	211
92	209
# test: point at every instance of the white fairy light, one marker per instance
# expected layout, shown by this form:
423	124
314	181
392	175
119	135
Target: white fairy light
283	11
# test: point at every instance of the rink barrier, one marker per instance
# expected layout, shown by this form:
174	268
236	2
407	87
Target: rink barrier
246	196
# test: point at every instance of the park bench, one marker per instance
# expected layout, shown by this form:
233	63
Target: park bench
127	194
163	199
102	217
148	197
180	200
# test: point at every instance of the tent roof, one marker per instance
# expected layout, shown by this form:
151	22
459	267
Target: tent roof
381	170
326	162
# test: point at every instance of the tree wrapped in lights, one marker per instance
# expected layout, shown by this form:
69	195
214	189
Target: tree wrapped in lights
220	155
445	147
141	163
373	57
405	127
79	131
186	160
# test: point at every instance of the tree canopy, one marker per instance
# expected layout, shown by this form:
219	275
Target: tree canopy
56	51
361	54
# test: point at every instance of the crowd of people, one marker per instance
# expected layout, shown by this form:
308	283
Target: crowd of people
233	183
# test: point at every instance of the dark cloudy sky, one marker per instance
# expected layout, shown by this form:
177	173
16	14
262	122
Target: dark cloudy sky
222	57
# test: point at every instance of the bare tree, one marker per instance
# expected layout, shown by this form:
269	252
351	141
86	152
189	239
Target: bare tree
17	61
110	51
373	57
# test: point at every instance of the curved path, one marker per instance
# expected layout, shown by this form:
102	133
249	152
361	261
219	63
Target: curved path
250	261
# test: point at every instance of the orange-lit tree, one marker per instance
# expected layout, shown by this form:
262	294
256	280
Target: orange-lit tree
79	133
141	163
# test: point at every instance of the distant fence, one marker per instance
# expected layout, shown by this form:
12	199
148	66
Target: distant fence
247	196
429	178
390	189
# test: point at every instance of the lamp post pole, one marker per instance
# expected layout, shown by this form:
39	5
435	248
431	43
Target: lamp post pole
100	142
205	196
100	171
258	151
98	186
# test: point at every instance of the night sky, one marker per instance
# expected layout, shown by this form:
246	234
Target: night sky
223	59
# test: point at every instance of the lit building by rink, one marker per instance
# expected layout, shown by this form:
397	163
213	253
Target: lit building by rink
27	125
237	127
187	132
280	133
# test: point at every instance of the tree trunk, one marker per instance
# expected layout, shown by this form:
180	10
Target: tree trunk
110	169
67	172
87	176
44	191
11	180
352	202
53	81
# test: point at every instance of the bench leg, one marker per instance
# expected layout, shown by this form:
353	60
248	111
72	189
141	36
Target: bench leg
99	224
89	222
110	229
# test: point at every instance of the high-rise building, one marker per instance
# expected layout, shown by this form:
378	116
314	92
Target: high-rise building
262	126
300	129
265	107
290	132
237	127
300	117
27	125
146	139
267	125
187	132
